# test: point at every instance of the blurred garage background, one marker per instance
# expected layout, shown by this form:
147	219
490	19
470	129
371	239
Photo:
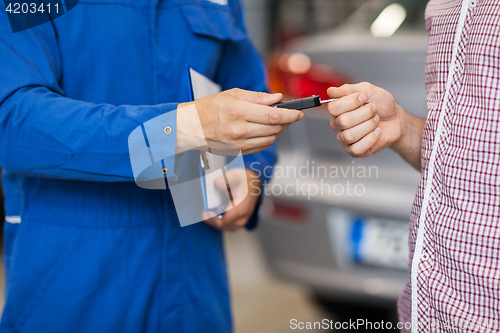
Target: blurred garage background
332	243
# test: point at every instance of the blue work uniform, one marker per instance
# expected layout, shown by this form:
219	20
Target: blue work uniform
94	252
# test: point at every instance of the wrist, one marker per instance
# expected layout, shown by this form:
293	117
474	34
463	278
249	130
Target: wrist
189	129
410	141
400	139
254	183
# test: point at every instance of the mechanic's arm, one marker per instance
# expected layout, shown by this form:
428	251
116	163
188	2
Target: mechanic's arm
45	134
367	120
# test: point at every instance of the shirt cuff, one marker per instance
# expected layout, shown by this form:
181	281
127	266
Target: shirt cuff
152	150
160	134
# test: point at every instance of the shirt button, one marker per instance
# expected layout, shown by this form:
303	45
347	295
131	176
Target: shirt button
164	171
167	130
425	256
432	199
472	4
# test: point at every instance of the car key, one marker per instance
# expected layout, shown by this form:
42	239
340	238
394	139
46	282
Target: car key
302	103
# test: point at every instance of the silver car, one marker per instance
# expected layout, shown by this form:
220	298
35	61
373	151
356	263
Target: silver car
336	224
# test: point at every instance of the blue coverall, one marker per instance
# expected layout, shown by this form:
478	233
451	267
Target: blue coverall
94	252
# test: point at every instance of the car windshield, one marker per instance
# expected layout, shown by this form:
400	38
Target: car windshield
403	14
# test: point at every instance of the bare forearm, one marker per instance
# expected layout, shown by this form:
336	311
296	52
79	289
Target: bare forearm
410	143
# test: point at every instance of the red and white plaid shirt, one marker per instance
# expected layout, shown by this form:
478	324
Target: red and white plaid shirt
455	220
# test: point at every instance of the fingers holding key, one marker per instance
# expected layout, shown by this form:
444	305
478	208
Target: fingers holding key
364	117
363	147
356	133
353	118
347	103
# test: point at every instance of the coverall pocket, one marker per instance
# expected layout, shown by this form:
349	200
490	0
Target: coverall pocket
214	22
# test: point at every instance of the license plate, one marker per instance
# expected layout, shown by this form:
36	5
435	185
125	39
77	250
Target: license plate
380	242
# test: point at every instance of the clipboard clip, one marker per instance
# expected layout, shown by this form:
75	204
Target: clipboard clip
204	162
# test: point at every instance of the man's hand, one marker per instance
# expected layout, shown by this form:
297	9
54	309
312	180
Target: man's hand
246	196
239	117
364	117
367	120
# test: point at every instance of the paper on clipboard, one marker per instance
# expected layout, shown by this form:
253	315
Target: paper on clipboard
193	189
211	166
201	85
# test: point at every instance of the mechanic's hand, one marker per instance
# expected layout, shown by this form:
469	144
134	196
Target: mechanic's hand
365	117
245	195
243	118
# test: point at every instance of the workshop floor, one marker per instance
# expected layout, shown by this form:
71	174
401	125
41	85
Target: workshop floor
262	304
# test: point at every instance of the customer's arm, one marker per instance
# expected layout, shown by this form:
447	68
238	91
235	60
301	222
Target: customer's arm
367	120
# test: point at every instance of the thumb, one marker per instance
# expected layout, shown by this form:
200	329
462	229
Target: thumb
220	183
364	88
338	92
258	97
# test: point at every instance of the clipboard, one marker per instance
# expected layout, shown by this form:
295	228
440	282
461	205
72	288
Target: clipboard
211	166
